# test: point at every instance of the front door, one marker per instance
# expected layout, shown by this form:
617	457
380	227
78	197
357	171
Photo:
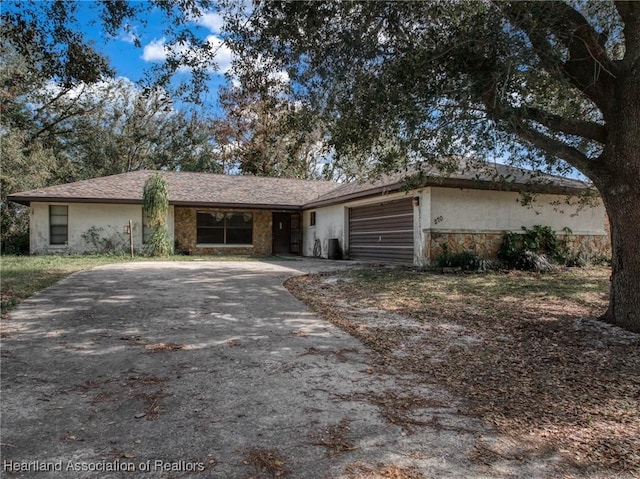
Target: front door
281	233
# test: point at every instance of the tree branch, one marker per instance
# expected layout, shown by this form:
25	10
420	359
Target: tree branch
588	67
584	129
554	147
498	109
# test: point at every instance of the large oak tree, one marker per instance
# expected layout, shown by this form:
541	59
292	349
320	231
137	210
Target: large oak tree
399	83
412	82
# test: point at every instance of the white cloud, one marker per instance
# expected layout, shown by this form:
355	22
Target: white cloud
211	20
280	76
128	34
118	93
155	51
158	51
224	55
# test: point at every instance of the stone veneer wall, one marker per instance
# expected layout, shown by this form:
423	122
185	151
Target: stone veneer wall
487	244
186	232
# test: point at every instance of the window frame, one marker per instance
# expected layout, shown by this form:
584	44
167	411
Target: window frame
312	218
224	228
53	225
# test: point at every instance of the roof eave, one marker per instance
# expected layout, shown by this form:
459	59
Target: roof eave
453	183
354	196
27	200
253	206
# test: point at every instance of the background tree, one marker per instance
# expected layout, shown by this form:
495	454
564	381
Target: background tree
405	83
23	166
125	128
53	134
26	161
49	36
262	132
155	207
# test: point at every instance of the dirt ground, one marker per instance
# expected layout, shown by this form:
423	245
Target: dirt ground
214	370
523	352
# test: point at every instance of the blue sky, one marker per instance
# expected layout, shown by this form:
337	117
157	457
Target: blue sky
131	61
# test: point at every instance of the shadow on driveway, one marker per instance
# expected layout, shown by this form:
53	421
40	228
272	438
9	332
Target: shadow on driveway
196	369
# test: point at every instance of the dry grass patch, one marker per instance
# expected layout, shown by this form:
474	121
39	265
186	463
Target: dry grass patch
334	438
152	404
164	347
523	351
267	462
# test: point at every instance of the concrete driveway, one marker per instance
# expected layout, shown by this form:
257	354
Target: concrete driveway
198	369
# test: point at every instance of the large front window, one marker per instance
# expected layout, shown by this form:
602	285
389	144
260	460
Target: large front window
224	228
58	224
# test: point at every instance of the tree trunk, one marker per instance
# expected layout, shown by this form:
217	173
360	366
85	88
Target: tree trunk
619	186
624	298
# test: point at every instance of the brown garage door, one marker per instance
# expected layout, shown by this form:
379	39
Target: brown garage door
383	232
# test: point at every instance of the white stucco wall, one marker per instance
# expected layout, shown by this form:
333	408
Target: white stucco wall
462	210
330	223
421	217
458	210
109	221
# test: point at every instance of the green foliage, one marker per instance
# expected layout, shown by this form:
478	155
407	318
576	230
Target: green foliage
155	204
537	249
24	165
263	134
52	36
467	260
15	238
158	243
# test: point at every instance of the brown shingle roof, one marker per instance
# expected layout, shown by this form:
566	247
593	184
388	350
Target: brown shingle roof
203	189
197	189
494	177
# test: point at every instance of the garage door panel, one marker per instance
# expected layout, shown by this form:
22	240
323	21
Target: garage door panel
382	238
391	227
383	231
391	222
390	255
381	209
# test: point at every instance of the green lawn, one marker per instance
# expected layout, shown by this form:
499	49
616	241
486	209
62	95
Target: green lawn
23	276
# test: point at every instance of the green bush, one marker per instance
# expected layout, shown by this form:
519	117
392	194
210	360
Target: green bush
14	229
155	205
537	249
467	260
15	243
